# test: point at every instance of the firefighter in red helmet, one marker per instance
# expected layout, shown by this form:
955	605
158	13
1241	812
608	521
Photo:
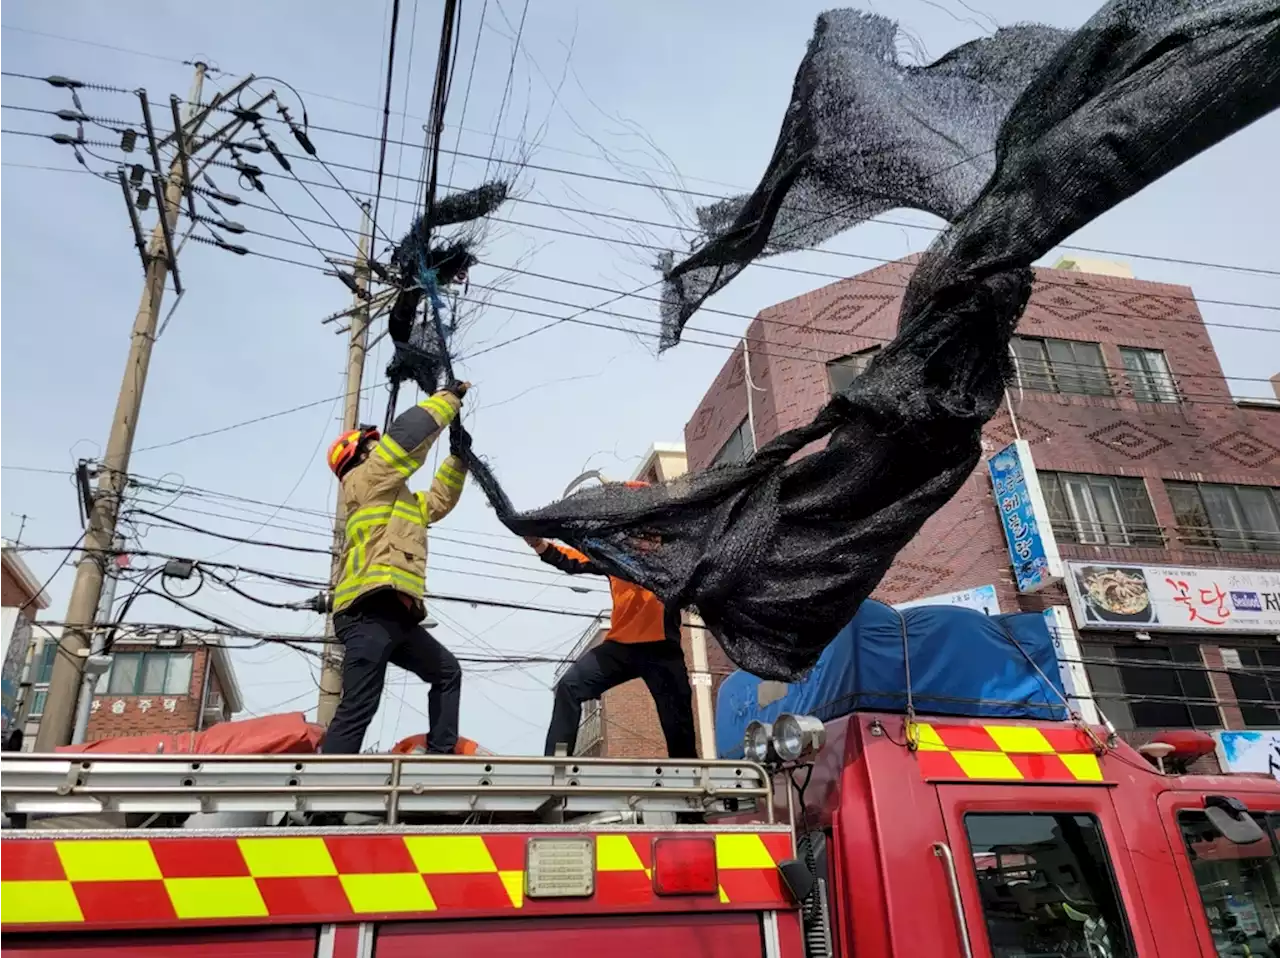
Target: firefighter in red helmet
643	642
378	600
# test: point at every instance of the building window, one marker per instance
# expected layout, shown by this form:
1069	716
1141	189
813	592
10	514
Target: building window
590	729
1046	885
44	662
1231	518
739	447
1061	366
37	703
1151	686
1100	510
1257	686
1148	374
150	673
843	371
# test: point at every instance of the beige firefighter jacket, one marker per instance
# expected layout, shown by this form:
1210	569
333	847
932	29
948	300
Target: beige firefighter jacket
386	534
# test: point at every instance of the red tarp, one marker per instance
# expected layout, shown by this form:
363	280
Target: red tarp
289	734
406	746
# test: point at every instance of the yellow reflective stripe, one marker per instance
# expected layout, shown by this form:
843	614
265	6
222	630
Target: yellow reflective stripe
380	575
450	477
440	410
394	453
380	515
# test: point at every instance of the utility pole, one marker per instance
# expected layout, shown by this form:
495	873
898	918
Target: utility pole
357	347
701	679
64	685
96	663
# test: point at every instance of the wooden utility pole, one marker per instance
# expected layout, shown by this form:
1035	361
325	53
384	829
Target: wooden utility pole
357	347
64	684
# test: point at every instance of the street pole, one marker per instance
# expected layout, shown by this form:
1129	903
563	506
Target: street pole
701	680
84	707
64	684
357	347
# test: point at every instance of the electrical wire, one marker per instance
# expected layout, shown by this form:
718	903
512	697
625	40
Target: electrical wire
719	197
386	112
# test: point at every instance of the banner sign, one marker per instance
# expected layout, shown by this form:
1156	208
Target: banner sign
1174	599
981	598
1025	516
1249	751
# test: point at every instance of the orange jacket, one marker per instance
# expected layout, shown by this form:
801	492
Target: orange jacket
638	615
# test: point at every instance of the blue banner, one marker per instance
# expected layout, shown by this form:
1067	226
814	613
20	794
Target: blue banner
1025	518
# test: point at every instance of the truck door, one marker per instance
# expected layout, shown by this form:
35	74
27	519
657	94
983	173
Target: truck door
1040	871
1232	883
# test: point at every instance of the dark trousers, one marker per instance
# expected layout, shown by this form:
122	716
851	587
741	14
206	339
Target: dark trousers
659	664
375	631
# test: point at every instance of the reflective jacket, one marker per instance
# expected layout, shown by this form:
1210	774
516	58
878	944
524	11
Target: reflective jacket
637	615
386	536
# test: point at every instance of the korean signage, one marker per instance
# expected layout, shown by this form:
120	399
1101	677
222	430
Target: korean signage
1249	751
1115	596
981	598
1025	517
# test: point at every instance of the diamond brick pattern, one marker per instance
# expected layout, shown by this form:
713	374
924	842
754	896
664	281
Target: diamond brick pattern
1249	451
1066	303
848	312
1150	307
1001	431
1129	440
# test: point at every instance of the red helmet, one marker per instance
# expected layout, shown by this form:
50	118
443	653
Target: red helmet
347	446
636	484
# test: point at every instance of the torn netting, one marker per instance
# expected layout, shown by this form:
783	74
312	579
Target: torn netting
778	555
863	134
425	265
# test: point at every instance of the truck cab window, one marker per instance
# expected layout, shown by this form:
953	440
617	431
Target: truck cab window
1239	887
1047	887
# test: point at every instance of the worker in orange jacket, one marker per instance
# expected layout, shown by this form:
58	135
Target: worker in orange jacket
643	642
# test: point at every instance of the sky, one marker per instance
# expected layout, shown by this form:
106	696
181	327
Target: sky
665	94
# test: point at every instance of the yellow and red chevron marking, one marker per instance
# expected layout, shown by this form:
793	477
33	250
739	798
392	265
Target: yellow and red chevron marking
1007	753
159	882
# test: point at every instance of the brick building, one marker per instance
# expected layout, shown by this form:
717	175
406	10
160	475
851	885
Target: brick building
161	686
1144	460
624	722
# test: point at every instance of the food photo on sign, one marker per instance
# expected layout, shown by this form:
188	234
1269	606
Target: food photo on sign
1114	594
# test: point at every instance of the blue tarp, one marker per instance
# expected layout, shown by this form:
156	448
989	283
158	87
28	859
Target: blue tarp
962	663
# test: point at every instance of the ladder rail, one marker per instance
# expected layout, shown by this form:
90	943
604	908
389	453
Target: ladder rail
70	784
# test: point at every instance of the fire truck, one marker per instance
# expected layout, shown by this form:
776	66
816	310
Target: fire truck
944	827
896	837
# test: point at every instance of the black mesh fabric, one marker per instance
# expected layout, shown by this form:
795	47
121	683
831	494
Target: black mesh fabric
777	555
863	134
424	264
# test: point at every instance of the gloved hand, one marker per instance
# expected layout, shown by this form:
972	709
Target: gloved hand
459	440
459	389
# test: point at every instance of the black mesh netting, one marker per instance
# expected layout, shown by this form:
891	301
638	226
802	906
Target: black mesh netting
424	264
776	554
863	134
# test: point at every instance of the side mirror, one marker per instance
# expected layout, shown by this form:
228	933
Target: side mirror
1231	818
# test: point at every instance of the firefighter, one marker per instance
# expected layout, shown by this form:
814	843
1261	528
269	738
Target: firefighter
378	603
643	642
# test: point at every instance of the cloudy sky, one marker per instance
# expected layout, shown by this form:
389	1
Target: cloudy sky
683	97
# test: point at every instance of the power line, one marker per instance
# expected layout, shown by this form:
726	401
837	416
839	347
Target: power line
386	110
1233	267
791	269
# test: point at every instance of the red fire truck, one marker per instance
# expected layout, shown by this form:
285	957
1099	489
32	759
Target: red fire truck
897	838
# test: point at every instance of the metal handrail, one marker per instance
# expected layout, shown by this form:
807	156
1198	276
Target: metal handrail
942	851
393	788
